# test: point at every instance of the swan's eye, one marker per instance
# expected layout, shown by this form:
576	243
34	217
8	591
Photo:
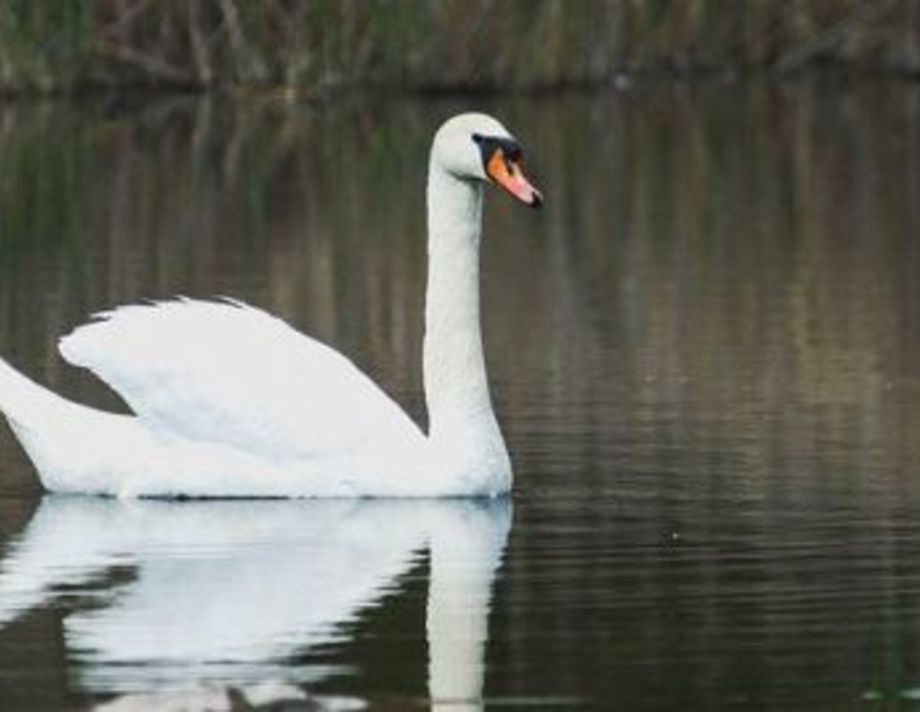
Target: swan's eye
490	145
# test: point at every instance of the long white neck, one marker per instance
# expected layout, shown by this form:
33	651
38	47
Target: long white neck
461	419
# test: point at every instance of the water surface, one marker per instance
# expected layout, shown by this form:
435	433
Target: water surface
705	354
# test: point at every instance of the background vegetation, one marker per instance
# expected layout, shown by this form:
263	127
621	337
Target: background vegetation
319	44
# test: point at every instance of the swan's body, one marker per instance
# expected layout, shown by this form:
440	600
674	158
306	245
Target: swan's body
231	402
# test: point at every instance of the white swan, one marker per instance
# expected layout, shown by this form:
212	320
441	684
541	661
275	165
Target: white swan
230	401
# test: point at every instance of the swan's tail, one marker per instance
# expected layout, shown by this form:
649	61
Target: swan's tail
24	402
63	439
36	416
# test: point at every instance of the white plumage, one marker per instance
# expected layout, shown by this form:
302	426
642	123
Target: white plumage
229	401
226	373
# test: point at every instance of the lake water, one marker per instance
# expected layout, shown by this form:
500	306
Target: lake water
705	355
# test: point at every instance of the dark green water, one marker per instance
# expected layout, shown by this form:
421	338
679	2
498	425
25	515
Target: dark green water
705	354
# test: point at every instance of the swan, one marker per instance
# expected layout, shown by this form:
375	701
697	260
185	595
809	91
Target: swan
229	401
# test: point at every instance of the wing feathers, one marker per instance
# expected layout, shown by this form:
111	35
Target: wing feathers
222	371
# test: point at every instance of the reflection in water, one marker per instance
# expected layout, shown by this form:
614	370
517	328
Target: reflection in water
230	592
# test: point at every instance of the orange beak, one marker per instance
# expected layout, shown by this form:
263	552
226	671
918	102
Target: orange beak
508	175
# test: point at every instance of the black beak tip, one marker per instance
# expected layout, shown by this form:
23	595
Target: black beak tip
537	200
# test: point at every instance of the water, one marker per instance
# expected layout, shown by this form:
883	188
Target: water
705	354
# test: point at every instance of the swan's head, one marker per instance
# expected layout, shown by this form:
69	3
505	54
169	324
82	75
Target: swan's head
477	147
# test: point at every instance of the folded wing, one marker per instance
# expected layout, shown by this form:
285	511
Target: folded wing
228	373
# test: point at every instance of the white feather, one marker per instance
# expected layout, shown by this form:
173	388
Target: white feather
233	375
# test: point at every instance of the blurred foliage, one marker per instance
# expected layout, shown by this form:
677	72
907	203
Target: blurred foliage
320	44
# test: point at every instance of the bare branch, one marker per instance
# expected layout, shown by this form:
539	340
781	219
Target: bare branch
199	44
155	67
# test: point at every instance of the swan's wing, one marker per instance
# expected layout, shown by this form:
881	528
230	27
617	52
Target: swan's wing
225	372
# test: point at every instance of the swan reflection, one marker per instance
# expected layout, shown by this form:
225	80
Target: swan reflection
194	594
